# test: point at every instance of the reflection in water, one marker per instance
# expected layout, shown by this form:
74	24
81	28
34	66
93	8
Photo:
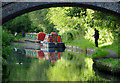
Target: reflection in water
37	65
72	67
51	54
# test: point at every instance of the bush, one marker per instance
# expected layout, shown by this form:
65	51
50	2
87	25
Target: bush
72	35
6	38
6	50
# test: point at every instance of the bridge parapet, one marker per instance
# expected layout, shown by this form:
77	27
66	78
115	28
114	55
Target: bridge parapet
11	10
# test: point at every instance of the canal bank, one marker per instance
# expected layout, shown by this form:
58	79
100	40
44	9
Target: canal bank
100	61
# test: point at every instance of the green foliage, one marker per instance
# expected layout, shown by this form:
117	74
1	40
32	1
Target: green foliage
111	62
72	35
31	22
6	51
100	53
62	21
84	21
19	38
39	21
74	23
6	39
19	24
105	36
76	12
69	22
107	33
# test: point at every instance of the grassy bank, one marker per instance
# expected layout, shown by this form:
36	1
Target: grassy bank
113	47
100	53
112	63
83	43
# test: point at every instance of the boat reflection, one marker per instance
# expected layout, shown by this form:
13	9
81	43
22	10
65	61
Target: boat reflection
51	54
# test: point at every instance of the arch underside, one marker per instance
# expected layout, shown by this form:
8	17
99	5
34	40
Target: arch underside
48	5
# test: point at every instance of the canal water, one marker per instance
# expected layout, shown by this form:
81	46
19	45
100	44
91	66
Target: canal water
34	63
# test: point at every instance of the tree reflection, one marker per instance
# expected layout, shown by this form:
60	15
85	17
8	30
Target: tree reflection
51	65
79	68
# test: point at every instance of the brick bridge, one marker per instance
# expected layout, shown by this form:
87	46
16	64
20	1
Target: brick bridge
11	10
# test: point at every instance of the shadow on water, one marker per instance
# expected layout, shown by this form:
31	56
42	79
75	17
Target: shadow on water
34	63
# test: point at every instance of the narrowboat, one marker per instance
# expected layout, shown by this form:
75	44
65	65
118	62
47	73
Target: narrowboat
35	37
52	40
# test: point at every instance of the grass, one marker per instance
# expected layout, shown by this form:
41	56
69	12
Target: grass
113	47
113	63
100	53
83	43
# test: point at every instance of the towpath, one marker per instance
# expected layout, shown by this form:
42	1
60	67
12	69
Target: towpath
112	54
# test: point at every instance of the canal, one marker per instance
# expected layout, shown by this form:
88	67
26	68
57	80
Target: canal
31	63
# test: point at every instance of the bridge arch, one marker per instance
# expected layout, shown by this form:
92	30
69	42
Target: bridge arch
10	10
